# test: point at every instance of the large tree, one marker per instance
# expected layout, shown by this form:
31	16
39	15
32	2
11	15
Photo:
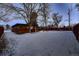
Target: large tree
26	11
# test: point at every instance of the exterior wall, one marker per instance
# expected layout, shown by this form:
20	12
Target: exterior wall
76	31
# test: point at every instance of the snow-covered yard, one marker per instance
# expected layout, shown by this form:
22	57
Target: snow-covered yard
42	43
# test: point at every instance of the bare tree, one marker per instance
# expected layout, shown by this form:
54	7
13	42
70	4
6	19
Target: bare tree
56	18
24	10
4	13
69	17
45	12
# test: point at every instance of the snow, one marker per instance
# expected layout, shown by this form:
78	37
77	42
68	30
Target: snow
56	43
7	30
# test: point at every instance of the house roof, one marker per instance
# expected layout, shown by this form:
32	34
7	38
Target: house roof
18	24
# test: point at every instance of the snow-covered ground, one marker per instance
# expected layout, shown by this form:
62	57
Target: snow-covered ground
42	43
7	30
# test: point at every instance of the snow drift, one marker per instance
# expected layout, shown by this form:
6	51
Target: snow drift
49	43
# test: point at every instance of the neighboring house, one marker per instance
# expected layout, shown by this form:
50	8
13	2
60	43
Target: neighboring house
76	31
20	28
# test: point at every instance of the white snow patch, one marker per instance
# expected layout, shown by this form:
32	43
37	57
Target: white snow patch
43	43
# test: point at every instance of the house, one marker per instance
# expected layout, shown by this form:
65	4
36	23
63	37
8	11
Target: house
23	28
20	28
